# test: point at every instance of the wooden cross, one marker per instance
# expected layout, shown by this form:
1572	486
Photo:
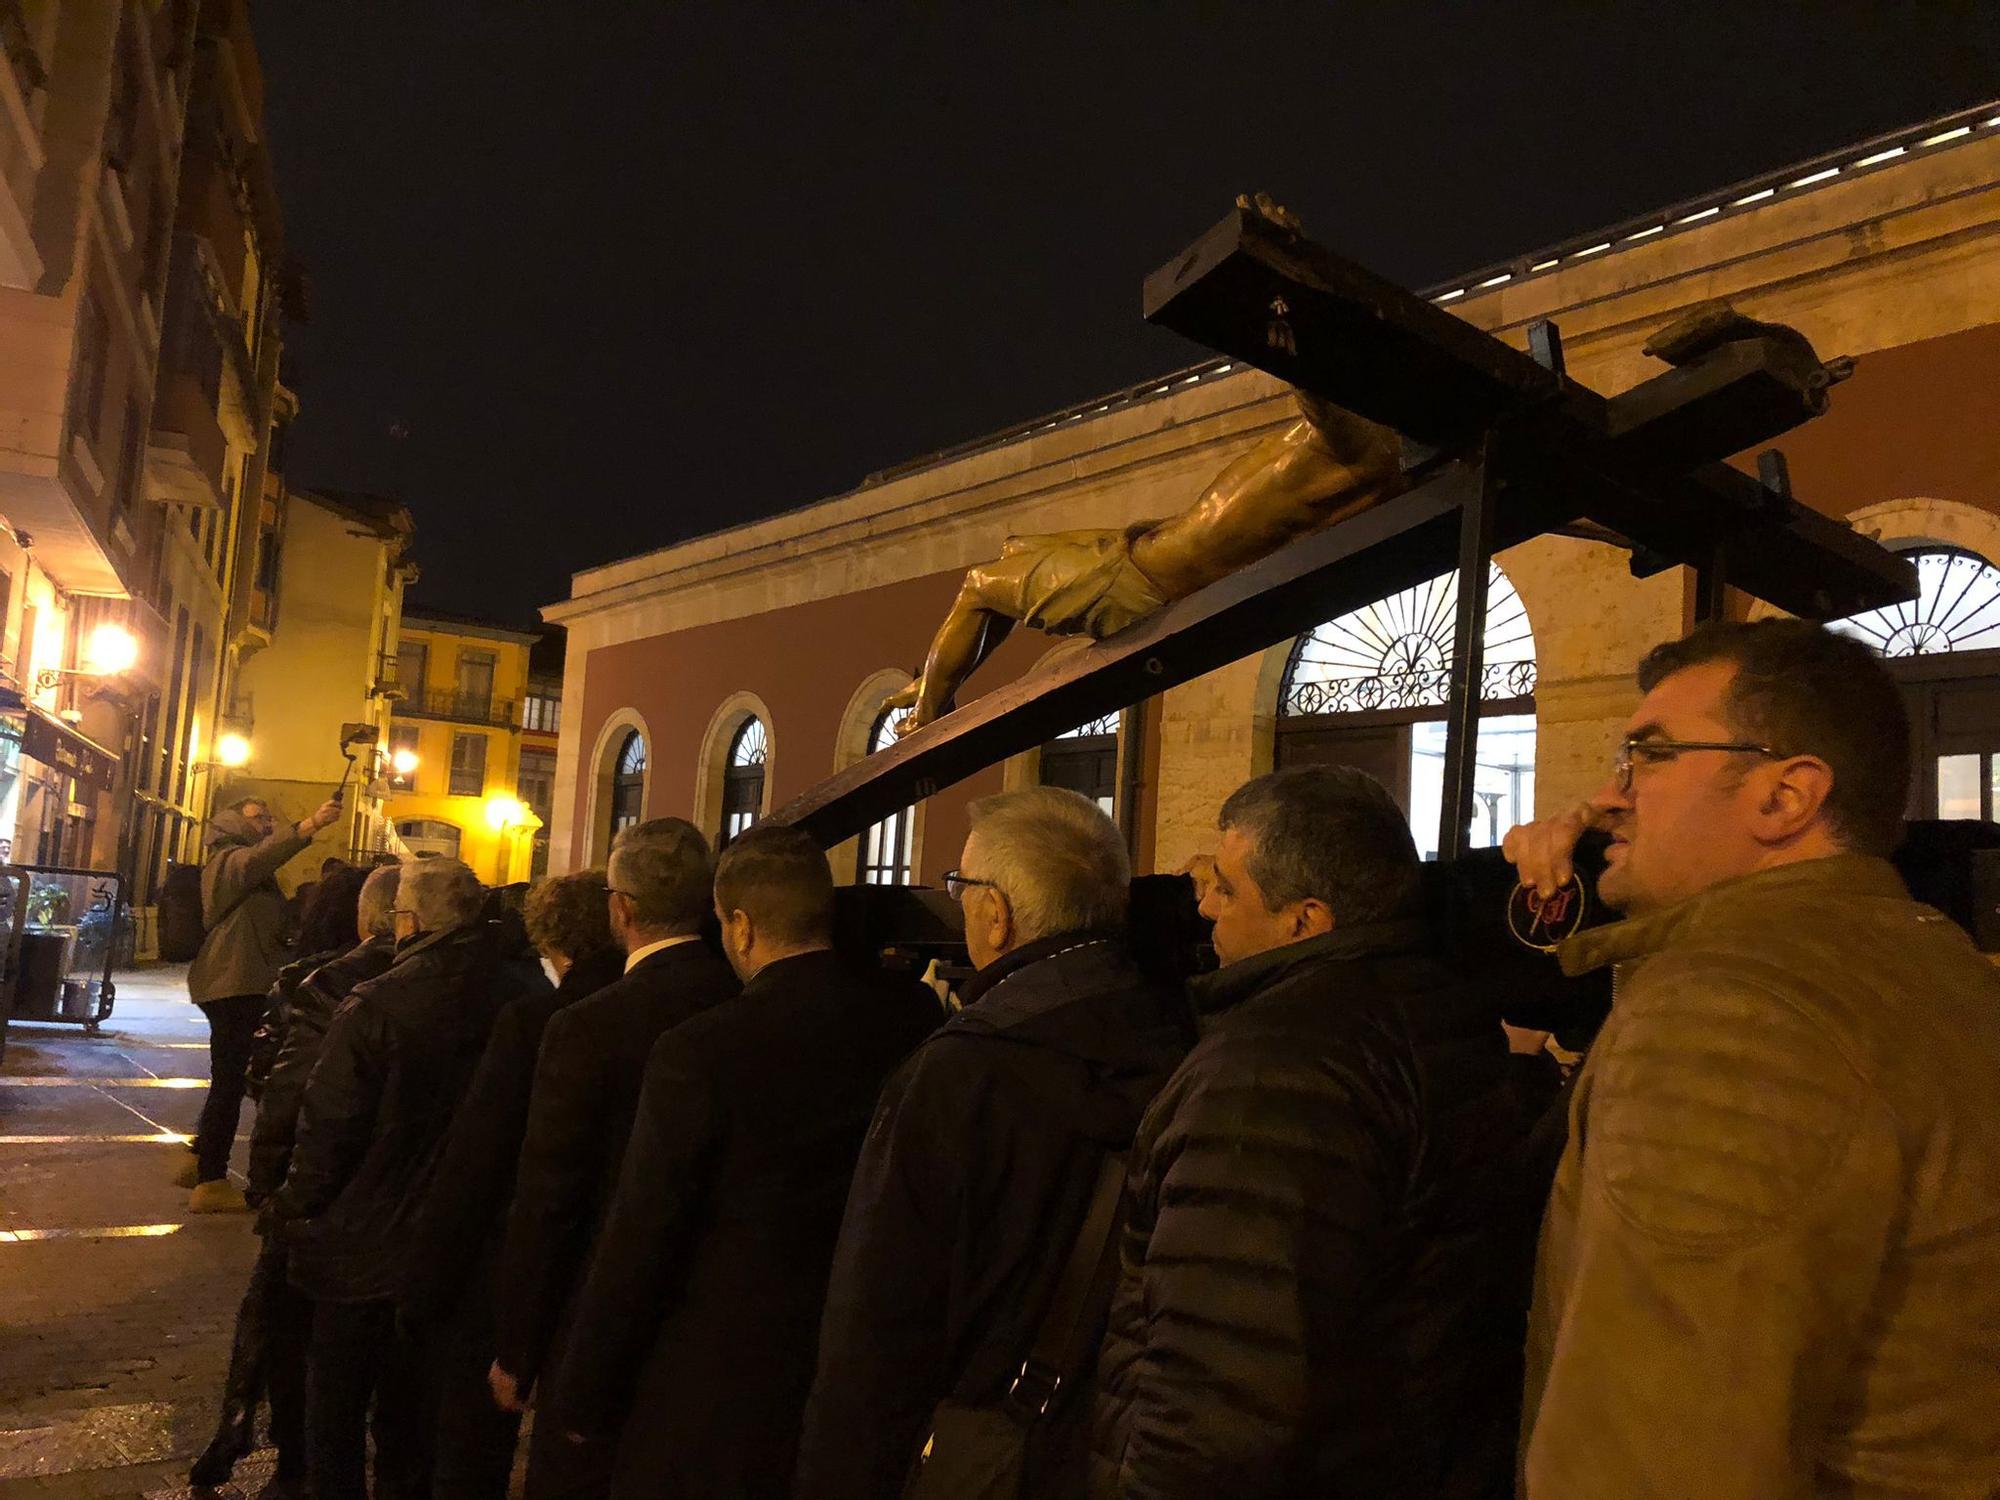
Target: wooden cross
1507	448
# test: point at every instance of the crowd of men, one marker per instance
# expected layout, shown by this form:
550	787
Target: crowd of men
735	1215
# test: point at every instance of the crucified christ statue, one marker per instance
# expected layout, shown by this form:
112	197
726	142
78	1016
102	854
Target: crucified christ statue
1324	467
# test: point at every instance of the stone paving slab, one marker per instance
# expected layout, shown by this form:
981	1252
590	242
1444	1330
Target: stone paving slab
112	1346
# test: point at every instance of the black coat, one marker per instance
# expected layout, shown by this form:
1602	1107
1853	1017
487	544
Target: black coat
970	1191
587	1080
1325	1269
396	1061
701	1309
301	1008
269	1037
454	1246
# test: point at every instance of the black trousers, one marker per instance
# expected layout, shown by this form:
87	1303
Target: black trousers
359	1361
232	1022
475	1438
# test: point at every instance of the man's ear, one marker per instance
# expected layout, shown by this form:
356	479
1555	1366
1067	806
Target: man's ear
742	930
1314	918
1794	799
1000	925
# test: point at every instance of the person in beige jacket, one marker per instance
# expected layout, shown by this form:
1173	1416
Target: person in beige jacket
1770	1266
244	912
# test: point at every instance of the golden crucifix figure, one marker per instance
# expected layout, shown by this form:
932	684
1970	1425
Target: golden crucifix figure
1324	467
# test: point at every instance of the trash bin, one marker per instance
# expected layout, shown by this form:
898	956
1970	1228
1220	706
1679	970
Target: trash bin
38	991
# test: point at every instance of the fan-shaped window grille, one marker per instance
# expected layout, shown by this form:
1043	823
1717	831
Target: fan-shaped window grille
1397	652
1369	690
1085	759
743	779
1096	728
628	782
886	848
1957	608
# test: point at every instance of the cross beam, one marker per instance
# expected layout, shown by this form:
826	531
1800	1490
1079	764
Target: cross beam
1518	450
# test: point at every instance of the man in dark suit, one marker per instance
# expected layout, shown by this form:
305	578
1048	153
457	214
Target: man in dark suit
701	1313
587	1078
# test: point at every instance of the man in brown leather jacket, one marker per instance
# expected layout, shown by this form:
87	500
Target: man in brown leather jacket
1771	1262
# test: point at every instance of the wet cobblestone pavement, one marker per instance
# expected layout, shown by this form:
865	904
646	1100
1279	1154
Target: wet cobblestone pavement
116	1304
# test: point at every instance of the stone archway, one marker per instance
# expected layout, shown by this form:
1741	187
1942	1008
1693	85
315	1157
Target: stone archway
603	764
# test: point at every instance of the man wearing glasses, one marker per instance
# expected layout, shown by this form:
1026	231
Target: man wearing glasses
1771	1260
980	1167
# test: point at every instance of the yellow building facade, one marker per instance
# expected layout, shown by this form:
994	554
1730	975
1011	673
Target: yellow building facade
330	586
454	745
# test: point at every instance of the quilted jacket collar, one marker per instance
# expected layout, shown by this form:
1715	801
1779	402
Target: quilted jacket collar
1234	983
1803	887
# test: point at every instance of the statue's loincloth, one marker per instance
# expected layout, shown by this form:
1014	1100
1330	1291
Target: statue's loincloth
1074	582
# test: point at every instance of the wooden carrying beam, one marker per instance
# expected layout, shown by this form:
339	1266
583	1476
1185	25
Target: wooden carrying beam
1645	463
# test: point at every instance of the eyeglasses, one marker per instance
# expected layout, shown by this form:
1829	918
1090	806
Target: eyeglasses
1655	752
957	884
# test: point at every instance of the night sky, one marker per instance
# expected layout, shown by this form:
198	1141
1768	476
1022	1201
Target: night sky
594	276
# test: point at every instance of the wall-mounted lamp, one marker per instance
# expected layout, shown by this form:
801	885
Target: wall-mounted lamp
109	650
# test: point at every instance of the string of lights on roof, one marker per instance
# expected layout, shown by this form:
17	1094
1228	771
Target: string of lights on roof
1849	162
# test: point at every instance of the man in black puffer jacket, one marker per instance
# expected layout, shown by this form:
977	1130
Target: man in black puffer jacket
396	1060
299	1030
453	1261
267	1357
1328	1252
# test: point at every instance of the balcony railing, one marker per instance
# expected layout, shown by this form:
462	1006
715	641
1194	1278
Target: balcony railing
465	708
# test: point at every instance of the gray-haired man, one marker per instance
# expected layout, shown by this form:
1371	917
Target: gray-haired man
396	1060
985	1151
1325	1267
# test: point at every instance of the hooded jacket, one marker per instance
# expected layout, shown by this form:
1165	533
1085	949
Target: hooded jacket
1326	1266
309	991
1771	1262
243	909
971	1188
396	1061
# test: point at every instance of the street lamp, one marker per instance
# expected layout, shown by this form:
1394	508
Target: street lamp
505	812
404	760
232	749
108	650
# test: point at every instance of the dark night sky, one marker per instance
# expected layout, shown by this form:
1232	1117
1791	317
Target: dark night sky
594	276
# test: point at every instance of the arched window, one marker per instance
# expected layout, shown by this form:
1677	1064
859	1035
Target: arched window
743	779
1085	759
1957	608
1944	651
628	782
1368	689
429	836
886	848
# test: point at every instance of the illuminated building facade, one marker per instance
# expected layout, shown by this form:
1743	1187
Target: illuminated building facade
455	740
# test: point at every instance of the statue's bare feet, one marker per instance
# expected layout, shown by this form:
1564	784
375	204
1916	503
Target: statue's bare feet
1263	204
905	697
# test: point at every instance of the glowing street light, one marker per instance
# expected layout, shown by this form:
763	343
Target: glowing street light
107	651
110	649
505	812
232	749
404	760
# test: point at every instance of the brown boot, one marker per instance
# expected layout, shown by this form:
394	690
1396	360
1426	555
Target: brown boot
218	1197
188	1173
